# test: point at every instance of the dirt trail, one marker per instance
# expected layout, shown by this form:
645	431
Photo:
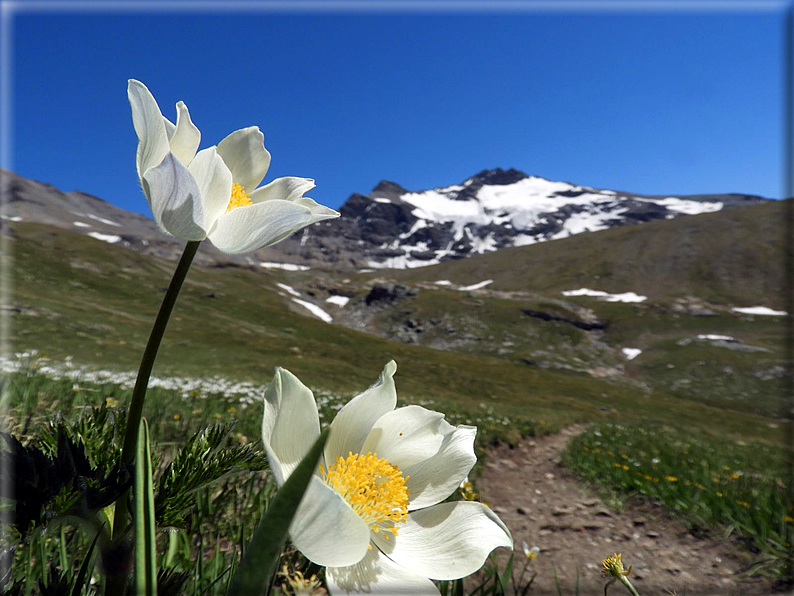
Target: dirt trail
543	504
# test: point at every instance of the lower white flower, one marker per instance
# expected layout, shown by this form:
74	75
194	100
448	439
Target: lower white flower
373	513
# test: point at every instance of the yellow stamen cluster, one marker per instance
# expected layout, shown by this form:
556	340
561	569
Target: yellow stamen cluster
239	197
613	567
302	586
373	487
467	490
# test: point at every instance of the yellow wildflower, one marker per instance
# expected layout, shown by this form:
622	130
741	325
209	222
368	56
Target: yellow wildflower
613	566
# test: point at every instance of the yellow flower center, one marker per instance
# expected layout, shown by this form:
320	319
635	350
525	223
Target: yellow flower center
239	197
373	487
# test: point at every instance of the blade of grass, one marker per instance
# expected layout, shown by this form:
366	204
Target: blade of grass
508	572
82	575
264	550
65	566
173	545
145	544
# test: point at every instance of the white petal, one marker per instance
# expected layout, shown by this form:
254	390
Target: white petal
377	575
288	188
175	199
290	424
186	137
353	422
245	154
215	184
446	541
407	435
148	122
327	530
248	228
319	212
434	479
169	128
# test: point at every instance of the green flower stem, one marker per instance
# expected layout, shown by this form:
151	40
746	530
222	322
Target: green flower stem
150	353
625	581
117	582
145	370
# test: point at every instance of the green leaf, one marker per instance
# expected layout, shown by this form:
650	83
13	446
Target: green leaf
145	546
263	552
200	462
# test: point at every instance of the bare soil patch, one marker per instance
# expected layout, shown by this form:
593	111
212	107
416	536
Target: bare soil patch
545	505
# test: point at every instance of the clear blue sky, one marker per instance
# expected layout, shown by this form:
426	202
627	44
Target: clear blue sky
645	102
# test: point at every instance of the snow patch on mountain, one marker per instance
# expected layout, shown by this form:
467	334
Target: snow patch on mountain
624	297
338	300
476	286
110	238
314	309
687	207
103	220
760	310
288	289
283	266
631	353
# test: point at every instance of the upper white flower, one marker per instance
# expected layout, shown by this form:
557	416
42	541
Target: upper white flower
373	512
210	194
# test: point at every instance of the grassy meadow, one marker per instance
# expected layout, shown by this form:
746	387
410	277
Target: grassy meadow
87	306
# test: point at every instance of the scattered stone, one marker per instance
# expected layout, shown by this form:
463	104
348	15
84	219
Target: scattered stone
593	525
652	534
521	511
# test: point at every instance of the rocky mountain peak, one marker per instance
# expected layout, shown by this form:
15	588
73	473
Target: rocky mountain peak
498	177
388	189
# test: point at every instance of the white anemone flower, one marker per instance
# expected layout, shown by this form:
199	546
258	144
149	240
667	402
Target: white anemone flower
213	193
373	513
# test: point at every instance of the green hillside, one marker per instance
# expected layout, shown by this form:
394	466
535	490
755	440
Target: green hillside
76	296
734	256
